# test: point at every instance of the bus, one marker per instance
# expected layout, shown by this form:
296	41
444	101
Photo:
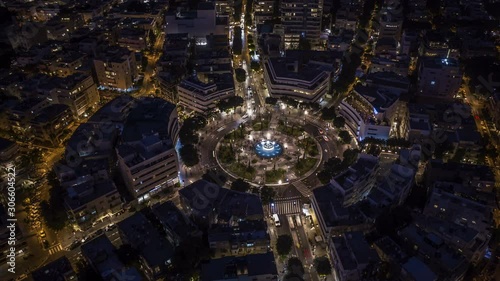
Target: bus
276	220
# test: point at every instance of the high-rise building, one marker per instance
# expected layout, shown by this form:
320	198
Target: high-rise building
146	155
263	10
78	91
298	78
116	68
439	77
301	18
201	97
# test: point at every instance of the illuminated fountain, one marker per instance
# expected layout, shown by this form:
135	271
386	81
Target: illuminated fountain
268	149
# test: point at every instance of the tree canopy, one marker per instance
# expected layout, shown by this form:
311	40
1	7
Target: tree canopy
267	194
53	211
294	266
255	65
240	185
229	103
322	265
189	155
345	137
237	42
271	100
189	127
328	113
334	165
339	122
241	75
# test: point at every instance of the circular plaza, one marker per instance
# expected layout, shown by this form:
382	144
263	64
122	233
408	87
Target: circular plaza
268	151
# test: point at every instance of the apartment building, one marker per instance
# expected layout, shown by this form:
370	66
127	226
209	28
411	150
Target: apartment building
245	238
101	255
197	23
78	91
155	251
289	77
332	216
91	200
439	78
350	255
59	269
202	97
116	68
394	188
146	154
355	183
301	18
364	124
220	205
258	267
22	113
49	125
263	11
391	22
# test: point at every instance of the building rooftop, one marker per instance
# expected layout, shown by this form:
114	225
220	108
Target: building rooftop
58	270
419	270
115	54
50	113
170	216
379	98
101	253
84	193
144	237
353	250
391	249
330	204
388	79
206	197
149	116
439	63
216	83
309	74
232	267
244	231
360	169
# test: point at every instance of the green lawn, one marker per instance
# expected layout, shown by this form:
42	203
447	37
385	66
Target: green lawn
304	165
226	154
273	176
260	126
243	171
289	130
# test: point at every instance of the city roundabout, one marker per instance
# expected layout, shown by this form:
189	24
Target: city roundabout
268	151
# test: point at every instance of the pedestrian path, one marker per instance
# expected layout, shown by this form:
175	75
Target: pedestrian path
284	206
302	188
54	249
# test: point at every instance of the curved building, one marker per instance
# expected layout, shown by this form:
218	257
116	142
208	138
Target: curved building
146	153
290	78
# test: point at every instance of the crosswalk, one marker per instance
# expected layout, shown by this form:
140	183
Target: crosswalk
285	206
302	188
54	249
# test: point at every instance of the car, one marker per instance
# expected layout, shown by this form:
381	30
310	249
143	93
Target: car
75	245
325	138
320	131
244	116
42	234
